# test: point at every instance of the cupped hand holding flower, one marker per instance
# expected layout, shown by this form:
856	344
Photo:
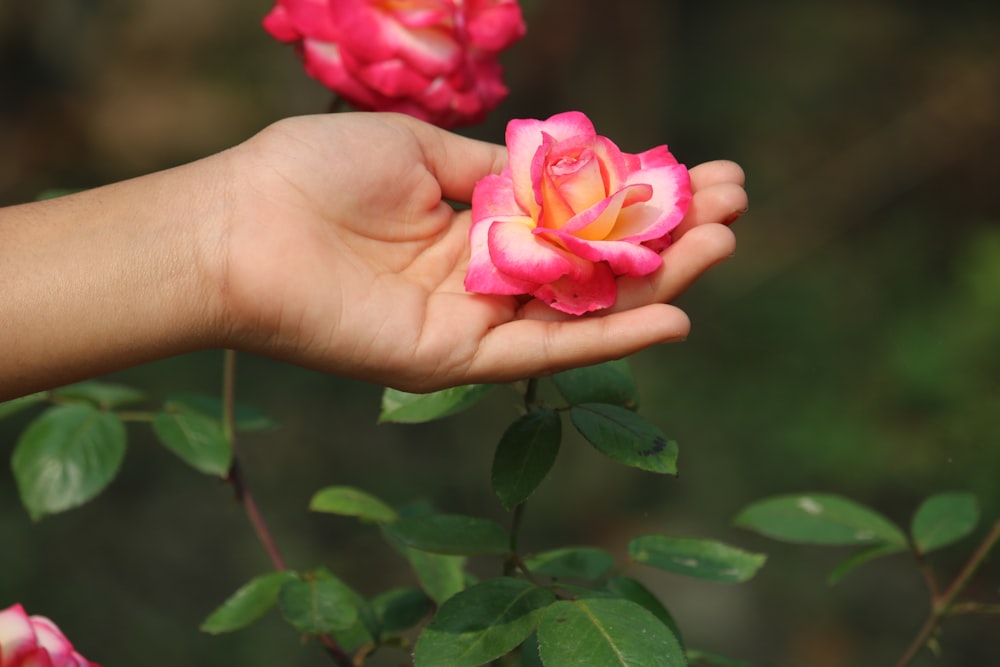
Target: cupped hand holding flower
35	641
343	256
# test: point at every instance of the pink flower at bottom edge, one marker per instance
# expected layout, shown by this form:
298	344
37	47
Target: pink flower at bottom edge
35	641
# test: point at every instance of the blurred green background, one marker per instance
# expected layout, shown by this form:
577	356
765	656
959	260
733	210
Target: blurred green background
851	346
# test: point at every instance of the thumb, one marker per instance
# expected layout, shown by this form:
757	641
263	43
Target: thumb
458	162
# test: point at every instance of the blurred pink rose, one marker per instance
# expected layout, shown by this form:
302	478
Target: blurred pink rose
433	59
35	641
570	213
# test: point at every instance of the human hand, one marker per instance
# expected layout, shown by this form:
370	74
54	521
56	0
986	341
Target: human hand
339	253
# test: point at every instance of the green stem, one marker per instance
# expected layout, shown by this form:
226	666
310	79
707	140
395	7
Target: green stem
136	416
974	608
245	498
942	603
235	477
229	398
515	528
531	394
514	562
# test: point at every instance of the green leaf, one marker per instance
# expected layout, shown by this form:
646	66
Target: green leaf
861	557
439	575
703	559
586	563
9	408
66	457
481	623
364	630
529	652
102	394
247	418
611	382
248	604
606	632
318	603
198	440
626	437
525	455
405	408
400	609
451	534
944	519
630	589
348	501
819	519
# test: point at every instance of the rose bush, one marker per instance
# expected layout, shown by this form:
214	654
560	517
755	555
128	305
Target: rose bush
570	213
432	59
35	641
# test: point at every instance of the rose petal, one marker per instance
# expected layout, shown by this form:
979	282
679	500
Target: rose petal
598	221
39	657
625	259
583	294
415	16
663	211
17	636
482	276
393	78
494	196
660	156
523	140
553	210
325	62
519	253
51	638
493	25
279	24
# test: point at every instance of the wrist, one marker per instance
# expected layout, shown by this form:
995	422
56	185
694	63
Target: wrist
189	228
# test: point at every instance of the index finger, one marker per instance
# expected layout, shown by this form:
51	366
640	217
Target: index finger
458	162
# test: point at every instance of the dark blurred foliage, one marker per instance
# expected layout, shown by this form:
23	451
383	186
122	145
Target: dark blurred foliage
851	346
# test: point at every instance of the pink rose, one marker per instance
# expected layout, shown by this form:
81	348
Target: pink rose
432	59
35	641
570	213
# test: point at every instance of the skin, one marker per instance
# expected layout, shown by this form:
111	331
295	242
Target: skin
323	241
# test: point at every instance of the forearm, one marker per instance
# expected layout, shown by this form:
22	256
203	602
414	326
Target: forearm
108	278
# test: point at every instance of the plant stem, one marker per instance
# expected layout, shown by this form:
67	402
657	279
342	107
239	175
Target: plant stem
245	498
531	394
229	397
974	608
235	477
336	653
338	105
515	528
514	562
941	604
136	416
977	558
